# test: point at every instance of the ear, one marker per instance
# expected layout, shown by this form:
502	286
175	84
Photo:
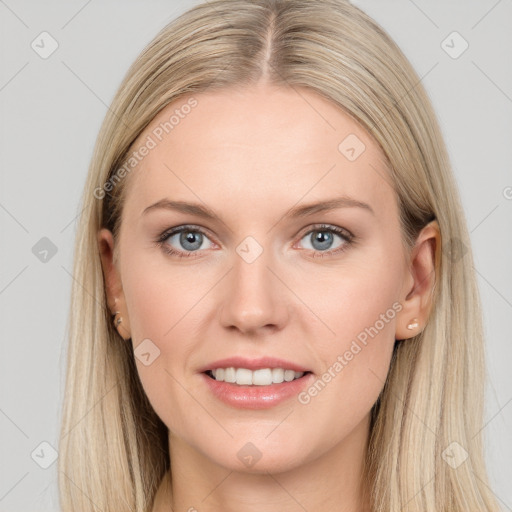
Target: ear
419	284
113	285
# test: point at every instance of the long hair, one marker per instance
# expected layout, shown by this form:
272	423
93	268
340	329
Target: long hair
113	447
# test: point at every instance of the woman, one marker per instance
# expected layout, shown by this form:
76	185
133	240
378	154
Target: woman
275	305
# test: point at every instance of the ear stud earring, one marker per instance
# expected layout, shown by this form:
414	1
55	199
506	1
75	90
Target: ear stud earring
116	320
413	325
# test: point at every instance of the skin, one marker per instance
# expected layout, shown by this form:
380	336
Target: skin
250	155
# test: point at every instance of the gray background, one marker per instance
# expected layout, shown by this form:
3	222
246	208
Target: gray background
51	111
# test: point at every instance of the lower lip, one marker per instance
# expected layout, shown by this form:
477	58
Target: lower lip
256	397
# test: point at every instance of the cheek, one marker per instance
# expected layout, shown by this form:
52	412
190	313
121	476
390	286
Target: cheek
158	294
360	297
360	307
165	316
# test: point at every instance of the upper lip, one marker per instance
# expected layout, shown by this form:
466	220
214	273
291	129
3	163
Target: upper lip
254	364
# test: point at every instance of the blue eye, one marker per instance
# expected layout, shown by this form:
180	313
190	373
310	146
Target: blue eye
189	241
321	240
189	238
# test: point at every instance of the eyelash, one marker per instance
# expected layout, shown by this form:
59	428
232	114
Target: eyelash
344	234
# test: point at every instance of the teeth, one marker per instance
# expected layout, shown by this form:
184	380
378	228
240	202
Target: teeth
277	375
243	376
263	377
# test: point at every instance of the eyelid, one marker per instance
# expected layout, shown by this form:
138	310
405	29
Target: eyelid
184	227
343	232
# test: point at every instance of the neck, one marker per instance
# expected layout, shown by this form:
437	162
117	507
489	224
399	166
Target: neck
334	481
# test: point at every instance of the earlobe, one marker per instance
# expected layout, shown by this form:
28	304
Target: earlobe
419	290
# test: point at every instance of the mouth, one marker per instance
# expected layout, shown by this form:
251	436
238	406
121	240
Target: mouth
260	377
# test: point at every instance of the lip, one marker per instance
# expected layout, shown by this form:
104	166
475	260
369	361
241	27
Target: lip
256	397
254	364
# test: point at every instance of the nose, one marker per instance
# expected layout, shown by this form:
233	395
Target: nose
254	299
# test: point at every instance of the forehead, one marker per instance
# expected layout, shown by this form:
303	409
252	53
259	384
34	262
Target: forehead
262	145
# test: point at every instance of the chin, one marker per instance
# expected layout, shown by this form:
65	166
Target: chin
260	457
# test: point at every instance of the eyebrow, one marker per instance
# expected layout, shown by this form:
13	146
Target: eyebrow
295	212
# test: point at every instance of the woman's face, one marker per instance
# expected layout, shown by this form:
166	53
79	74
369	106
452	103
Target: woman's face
264	277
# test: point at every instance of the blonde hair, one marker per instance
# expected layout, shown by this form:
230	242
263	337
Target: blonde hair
113	446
